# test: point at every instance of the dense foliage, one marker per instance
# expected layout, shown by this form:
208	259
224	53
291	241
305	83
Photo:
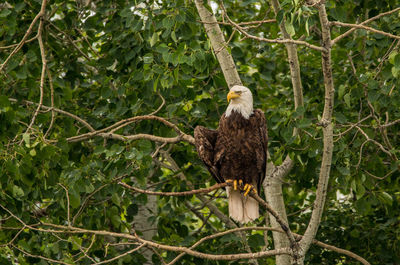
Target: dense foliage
112	60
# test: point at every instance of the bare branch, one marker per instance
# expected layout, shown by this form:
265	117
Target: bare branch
241	30
182	193
44	67
71	229
73	116
122	255
374	141
242	23
27	33
68	211
360	26
347	33
40	257
52	102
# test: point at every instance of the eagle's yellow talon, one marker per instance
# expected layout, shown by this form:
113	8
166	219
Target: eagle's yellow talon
248	189
235	184
247	192
240	183
245	187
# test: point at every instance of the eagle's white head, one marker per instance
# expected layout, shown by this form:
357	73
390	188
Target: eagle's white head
241	100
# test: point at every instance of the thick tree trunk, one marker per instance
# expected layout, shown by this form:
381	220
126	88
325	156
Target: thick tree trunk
143	225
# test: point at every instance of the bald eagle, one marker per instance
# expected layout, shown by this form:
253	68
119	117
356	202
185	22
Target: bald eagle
237	152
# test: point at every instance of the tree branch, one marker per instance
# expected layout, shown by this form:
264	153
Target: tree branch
327	129
347	33
27	33
360	26
182	193
284	41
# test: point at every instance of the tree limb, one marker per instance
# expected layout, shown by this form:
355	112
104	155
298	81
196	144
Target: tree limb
327	129
347	33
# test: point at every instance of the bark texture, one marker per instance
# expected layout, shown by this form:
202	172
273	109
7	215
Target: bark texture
326	123
218	43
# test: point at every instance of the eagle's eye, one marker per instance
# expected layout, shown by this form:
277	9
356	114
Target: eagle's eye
238	92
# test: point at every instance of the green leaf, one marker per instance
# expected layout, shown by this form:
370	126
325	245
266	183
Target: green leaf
342	89
115	199
279	16
17	191
304	123
154	39
256	240
74	199
347	99
173	36
5	12
27	139
397	61
32	152
386	197
289	28
132	210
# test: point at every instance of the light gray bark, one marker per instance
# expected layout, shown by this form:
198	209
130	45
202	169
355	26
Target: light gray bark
143	225
218	43
326	123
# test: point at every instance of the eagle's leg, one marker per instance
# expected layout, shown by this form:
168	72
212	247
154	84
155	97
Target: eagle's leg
247	188
234	183
240	184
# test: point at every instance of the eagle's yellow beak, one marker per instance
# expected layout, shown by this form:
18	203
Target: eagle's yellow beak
232	95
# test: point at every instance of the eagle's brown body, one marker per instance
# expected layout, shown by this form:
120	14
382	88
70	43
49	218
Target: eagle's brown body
237	150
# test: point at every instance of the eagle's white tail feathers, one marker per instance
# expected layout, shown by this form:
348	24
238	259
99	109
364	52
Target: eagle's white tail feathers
241	209
250	209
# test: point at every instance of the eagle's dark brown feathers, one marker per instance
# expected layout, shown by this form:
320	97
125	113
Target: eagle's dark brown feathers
237	149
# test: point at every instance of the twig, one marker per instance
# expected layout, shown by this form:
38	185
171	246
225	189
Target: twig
285	227
16	44
44	67
122	255
71	229
182	193
347	33
68	213
52	102
40	257
69	39
360	26
241	30
161	106
242	23
85	202
380	178
239	229
375	142
27	102
27	33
